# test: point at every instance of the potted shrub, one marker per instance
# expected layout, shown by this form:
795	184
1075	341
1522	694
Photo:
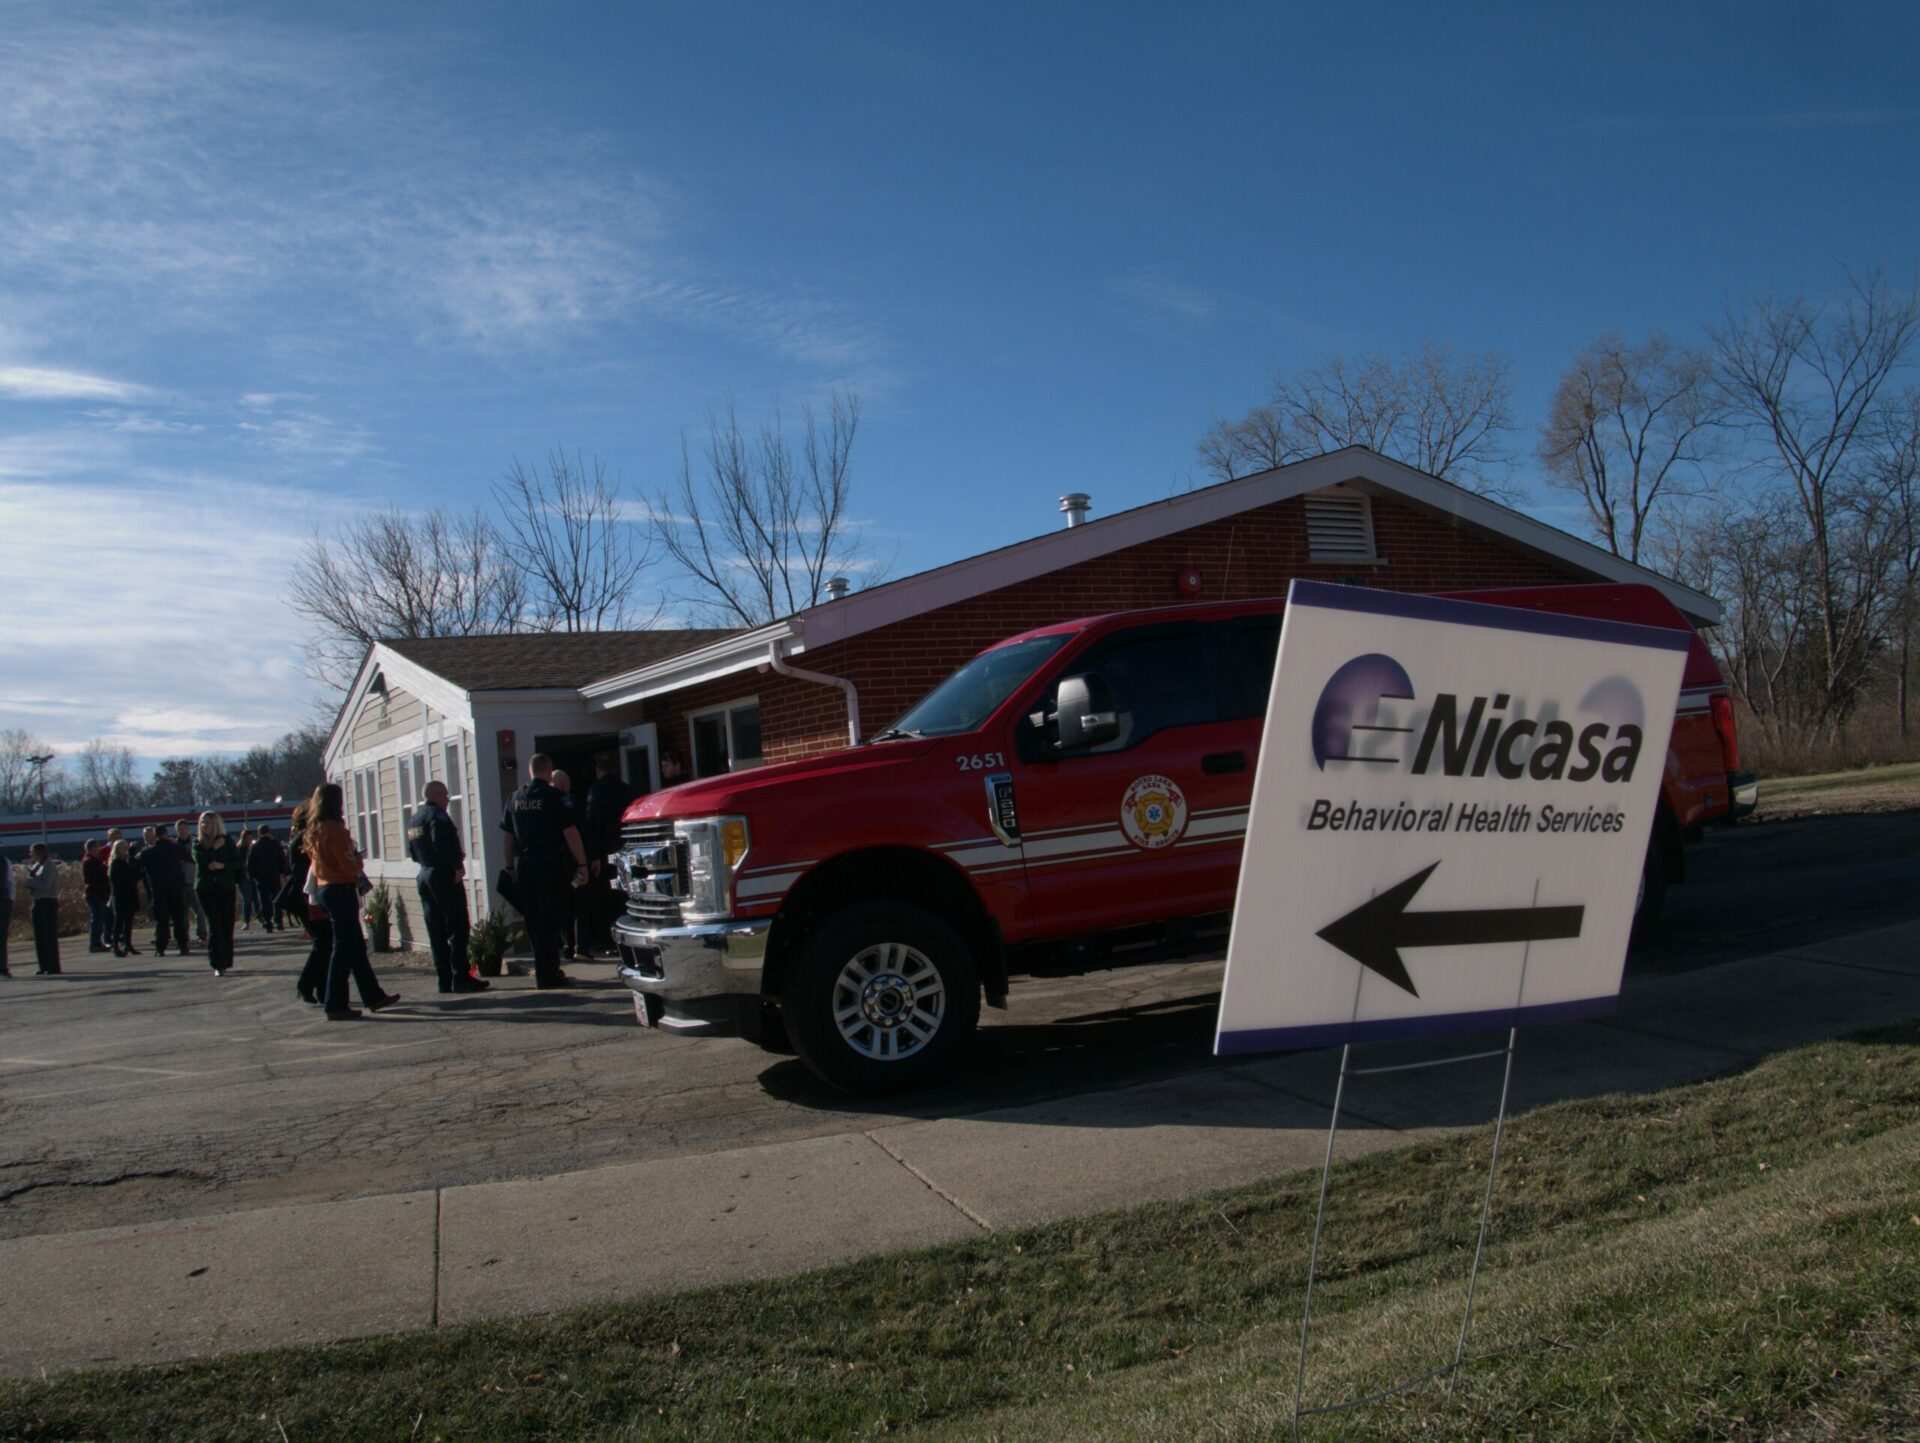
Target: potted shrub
379	917
487	945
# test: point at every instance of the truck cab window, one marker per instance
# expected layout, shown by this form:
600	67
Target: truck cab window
973	693
1157	676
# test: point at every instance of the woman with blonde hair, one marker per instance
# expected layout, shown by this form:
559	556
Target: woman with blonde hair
337	870
216	873
124	881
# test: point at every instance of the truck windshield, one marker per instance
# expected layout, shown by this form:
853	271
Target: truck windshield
969	696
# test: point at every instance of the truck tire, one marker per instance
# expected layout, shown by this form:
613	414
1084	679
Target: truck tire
880	997
1652	895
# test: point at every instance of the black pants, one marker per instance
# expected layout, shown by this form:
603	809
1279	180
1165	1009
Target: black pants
169	920
443	909
349	957
313	976
546	903
6	926
217	902
124	906
46	932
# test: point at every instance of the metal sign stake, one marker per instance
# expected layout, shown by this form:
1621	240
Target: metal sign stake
1449	1370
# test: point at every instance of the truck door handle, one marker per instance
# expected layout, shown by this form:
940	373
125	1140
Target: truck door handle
1216	764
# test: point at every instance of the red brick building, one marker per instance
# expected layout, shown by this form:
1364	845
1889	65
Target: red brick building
688	704
1351	516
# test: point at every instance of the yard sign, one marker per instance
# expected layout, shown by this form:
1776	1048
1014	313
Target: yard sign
1450	815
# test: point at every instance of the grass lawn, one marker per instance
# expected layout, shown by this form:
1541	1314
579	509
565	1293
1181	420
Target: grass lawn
1734	1260
1905	774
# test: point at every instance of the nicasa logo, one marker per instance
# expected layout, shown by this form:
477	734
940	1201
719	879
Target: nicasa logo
1369	715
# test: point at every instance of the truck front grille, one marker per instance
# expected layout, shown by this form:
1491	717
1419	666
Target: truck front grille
654	910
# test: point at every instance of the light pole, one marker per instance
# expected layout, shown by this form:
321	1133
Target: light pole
39	764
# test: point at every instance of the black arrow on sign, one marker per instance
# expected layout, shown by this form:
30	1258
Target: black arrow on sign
1374	932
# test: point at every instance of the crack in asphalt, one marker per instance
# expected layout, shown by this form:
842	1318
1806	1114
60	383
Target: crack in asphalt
158	1174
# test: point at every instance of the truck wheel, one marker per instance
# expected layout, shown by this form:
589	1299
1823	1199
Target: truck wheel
880	997
1652	895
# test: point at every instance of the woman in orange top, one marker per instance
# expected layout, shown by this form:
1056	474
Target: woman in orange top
338	872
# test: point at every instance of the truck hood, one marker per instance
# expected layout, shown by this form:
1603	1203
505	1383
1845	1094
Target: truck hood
744	791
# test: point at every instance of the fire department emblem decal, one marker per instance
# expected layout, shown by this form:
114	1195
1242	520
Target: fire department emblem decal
1153	813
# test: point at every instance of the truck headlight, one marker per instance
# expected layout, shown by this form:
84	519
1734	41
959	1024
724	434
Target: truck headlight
715	848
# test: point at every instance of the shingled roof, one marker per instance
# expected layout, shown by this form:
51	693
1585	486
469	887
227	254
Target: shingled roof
524	661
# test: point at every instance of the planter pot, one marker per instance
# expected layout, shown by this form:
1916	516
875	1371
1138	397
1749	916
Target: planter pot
487	966
382	938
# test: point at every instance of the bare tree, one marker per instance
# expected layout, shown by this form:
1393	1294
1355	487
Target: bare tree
568	533
19	778
104	777
1445	415
763	529
1899	469
1804	380
1628	428
395	575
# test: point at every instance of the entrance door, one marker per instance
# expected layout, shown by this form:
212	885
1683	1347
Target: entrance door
640	758
575	755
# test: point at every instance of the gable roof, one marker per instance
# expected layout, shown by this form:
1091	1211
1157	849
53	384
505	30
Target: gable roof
1052	551
528	661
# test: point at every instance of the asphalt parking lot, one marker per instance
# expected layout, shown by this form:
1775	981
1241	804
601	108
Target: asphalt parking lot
143	1089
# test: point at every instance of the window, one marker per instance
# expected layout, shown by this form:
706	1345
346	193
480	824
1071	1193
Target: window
726	738
366	811
1158	677
456	782
413	781
1247	649
1339	526
971	694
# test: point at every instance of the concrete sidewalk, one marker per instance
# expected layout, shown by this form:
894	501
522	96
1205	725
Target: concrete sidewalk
199	1287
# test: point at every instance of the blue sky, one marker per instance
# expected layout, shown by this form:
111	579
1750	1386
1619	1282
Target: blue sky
263	266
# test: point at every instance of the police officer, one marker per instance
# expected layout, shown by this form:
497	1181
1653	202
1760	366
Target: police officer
548	860
434	842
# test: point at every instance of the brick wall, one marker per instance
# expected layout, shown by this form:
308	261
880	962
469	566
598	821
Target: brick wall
1251	555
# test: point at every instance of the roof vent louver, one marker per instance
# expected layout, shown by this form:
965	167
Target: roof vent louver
1339	526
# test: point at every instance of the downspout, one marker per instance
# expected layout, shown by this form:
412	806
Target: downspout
777	660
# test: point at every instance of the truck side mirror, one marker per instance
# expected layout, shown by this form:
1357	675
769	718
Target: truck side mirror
1083	714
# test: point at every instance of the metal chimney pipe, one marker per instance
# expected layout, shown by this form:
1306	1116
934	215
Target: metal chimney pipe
837	588
1076	504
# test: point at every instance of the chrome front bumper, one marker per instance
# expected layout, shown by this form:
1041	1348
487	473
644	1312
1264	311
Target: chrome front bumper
691	976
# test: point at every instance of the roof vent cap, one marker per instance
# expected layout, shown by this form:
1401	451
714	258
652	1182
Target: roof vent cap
837	588
1076	504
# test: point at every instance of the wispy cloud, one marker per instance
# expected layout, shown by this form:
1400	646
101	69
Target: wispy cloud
1157	289
140	423
172	586
136	157
46	383
311	437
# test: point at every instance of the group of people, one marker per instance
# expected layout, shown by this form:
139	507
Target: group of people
196	869
319	878
170	870
555	853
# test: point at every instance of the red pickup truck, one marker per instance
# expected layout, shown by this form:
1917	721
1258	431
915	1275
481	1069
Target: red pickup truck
862	903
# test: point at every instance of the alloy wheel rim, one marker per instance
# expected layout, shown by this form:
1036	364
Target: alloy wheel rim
889	1001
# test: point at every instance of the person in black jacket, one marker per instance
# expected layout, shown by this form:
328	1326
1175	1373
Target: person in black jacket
543	847
160	861
123	877
266	866
433	841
